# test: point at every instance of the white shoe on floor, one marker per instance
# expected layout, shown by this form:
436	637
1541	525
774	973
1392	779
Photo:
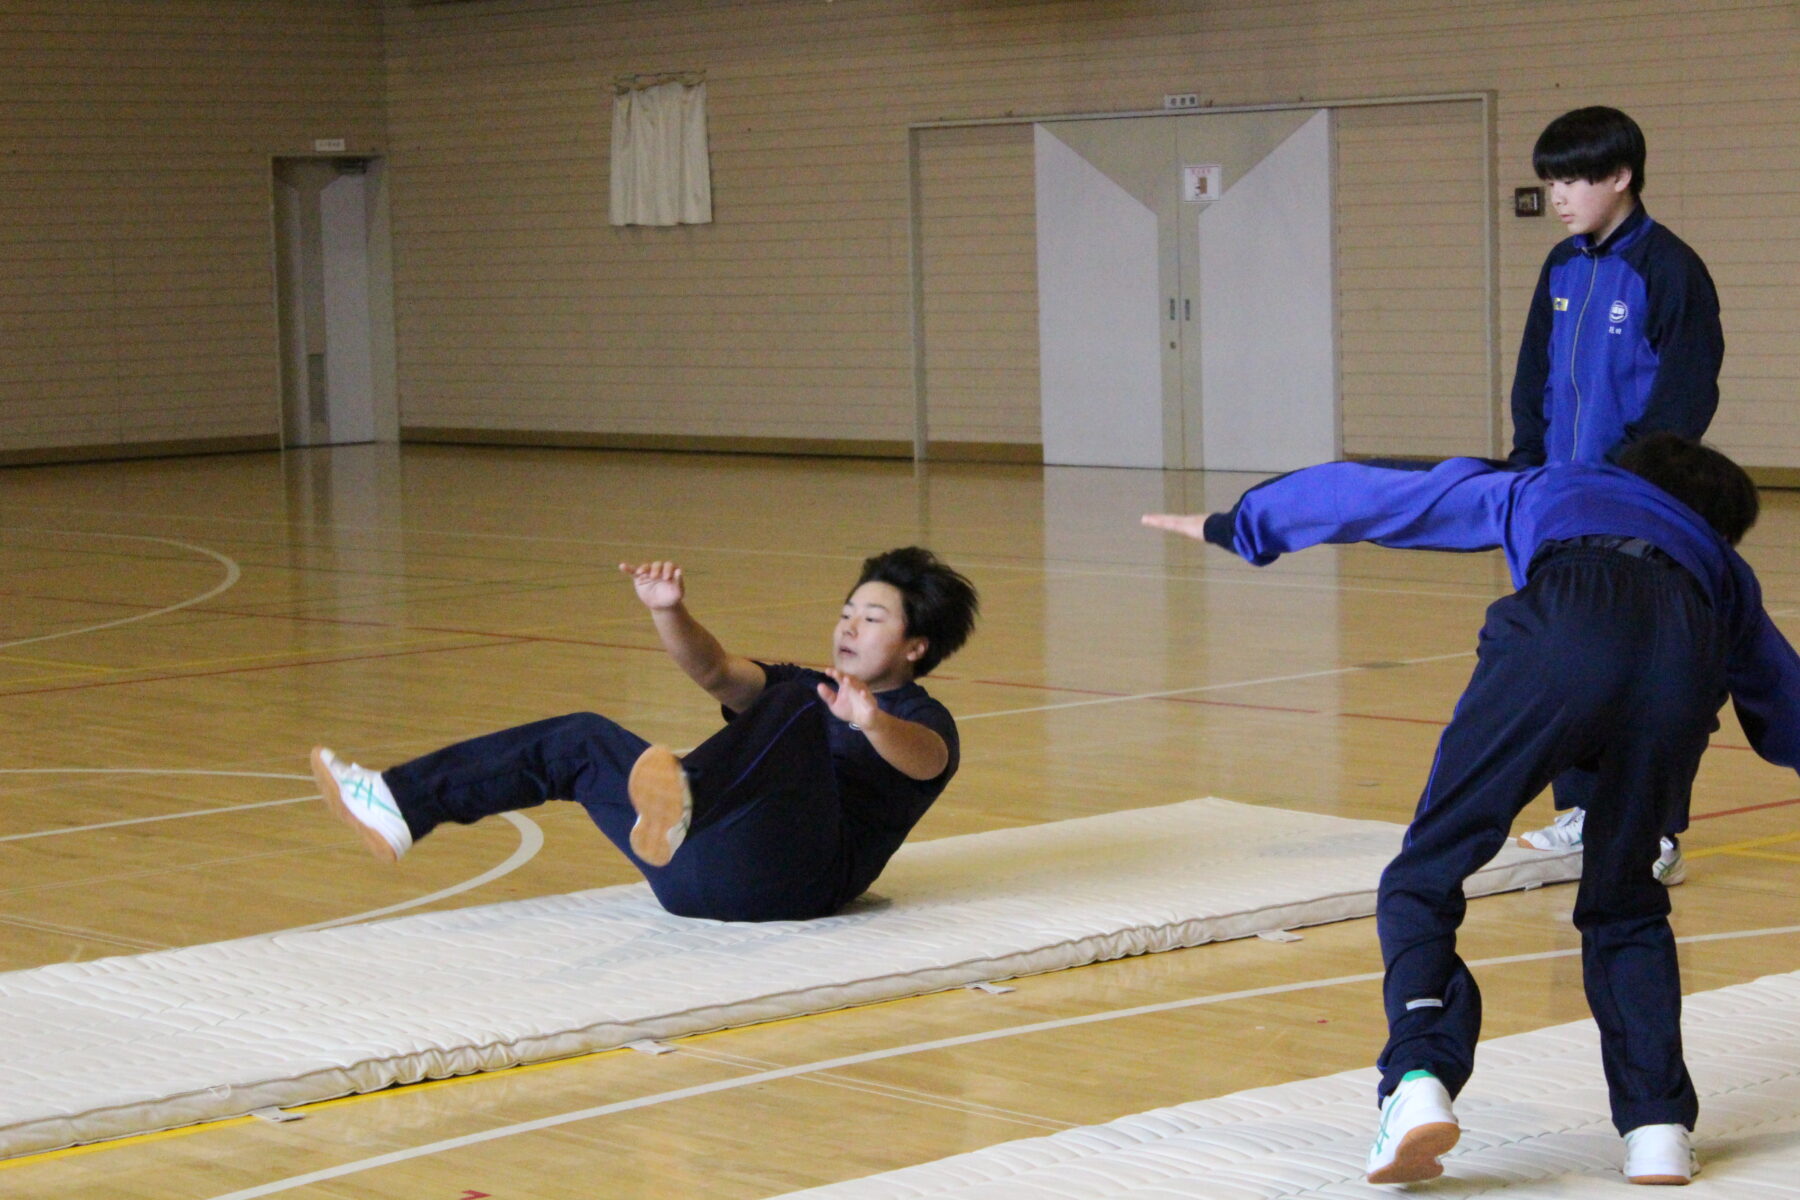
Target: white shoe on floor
360	799
658	788
1669	868
1660	1154
1564	833
1417	1126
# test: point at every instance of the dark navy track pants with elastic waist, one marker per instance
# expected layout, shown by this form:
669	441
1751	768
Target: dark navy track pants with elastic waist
766	839
1602	659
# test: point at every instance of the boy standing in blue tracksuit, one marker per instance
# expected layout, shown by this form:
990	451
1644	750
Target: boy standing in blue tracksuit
1633	621
1622	340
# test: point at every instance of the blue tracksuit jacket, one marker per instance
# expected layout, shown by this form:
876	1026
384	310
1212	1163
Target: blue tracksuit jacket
1622	340
1469	504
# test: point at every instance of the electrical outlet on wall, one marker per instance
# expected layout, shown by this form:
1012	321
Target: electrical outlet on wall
1181	100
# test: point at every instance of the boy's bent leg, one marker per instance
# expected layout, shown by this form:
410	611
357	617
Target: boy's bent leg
581	757
1503	744
765	840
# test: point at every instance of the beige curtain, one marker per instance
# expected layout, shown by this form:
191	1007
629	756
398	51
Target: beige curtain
660	174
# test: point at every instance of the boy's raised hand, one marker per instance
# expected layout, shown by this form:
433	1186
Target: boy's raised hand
851	700
659	584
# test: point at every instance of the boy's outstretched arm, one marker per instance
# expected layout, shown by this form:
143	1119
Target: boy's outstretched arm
1460	504
907	746
731	679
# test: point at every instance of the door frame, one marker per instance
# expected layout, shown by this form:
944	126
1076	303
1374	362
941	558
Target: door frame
1490	216
379	263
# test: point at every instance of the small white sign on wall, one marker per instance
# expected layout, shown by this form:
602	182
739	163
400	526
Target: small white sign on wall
1201	184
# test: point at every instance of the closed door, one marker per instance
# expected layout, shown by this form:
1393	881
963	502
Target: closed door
1184	325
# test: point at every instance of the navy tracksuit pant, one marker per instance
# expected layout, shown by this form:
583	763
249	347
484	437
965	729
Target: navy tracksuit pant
766	839
1603	660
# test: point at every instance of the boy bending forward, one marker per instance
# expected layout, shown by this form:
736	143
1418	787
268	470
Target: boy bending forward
788	812
1633	621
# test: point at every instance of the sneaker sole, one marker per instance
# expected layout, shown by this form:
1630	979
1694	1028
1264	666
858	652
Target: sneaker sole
659	792
1660	1180
333	797
1416	1158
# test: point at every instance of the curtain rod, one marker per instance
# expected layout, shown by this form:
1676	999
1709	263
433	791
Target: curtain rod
649	79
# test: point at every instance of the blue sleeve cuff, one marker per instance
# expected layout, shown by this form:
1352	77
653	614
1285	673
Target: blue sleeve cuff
1221	529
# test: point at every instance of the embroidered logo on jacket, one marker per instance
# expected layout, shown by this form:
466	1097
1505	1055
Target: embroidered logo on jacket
1559	303
1619	312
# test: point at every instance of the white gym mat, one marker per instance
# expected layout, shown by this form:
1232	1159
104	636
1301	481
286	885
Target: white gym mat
1534	1122
116	1046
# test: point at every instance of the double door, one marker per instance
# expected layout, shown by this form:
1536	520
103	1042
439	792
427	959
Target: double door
1185	287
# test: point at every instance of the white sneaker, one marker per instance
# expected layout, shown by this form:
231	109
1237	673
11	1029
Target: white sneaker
1660	1154
360	798
1669	868
658	788
1417	1125
1564	833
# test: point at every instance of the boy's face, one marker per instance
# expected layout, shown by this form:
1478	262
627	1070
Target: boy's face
870	641
1595	208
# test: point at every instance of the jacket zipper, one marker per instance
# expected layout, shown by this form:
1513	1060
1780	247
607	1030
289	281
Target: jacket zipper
1574	351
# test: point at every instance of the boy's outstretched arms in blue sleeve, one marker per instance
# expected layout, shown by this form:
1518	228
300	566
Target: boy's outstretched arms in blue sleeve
1461	504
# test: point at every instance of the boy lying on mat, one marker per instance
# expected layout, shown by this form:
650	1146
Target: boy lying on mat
788	812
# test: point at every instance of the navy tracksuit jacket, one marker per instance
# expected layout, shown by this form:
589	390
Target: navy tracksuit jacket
1633	622
1622	339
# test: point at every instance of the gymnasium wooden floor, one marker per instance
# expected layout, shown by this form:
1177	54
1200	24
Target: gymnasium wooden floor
174	635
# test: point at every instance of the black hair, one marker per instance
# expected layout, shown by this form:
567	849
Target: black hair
1698	476
1590	144
940	604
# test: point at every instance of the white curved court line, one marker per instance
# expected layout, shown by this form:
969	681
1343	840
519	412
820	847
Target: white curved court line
1215	687
531	836
531	840
198	812
232	573
852	1060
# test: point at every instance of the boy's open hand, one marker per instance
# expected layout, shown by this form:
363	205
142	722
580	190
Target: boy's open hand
1189	525
658	584
851	700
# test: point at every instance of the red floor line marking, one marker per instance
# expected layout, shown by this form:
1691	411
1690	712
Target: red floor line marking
287	666
371	624
1390	717
1732	812
1441	724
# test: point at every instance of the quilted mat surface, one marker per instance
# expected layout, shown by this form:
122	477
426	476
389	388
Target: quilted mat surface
1534	1121
117	1046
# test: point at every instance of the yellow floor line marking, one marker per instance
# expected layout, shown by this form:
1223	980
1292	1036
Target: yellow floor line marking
1776	855
1747	844
432	1084
52	662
